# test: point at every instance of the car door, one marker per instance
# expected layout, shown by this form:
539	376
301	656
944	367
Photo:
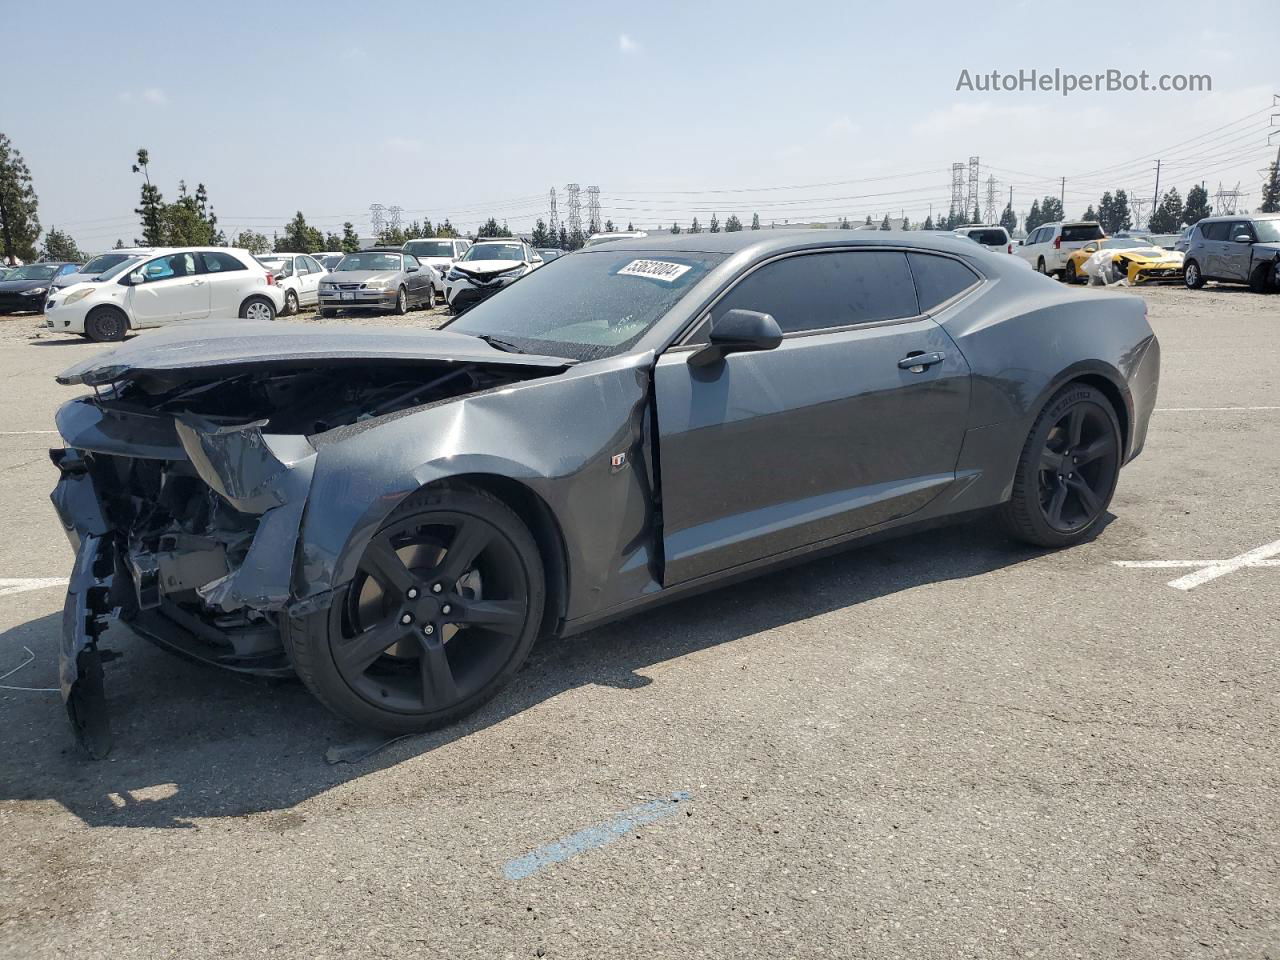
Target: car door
831	432
415	282
308	272
229	281
168	289
1212	248
1237	250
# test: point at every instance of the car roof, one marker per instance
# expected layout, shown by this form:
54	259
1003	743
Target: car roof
382	250
769	242
1239	216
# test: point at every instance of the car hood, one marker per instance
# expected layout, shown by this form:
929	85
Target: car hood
199	350
17	286
1149	255
478	267
360	276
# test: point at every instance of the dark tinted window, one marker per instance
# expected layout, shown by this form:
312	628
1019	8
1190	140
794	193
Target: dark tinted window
1085	233
820	290
1214	231
1240	228
221	262
989	238
938	279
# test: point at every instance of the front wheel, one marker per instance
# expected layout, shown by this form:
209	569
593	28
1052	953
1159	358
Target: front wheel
258	308
1068	470
1192	276
1040	268
1071	275
105	325
444	607
402	302
290	303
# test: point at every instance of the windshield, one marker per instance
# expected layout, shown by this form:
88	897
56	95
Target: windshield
104	262
1268	230
495	251
369	261
590	305
122	267
35	271
429	248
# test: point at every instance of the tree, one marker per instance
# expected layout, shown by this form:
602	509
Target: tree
884	224
350	242
151	209
299	237
252	241
1009	219
186	222
332	241
977	214
755	221
1167	217
392	237
844	224
490	228
540	236
928	222
60	246
446	229
675	228
695	227
630	228
19	224
609	227
1120	217
733	224
1051	210
1197	206
868	221
1090	214
714	225
1107	212
1033	216
906	223
1270	191
564	237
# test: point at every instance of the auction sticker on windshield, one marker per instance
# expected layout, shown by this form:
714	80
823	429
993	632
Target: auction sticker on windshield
655	270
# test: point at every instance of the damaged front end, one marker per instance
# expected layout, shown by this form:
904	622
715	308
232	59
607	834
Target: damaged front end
183	493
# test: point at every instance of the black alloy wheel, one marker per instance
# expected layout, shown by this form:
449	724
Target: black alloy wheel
443	609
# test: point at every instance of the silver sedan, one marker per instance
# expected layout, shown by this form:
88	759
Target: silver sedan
386	280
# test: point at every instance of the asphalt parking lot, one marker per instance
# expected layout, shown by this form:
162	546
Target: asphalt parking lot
941	746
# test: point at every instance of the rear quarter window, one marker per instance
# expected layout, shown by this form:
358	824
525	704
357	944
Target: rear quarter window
1084	234
1214	231
938	279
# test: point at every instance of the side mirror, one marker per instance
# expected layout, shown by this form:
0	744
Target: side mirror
1090	248
1242	238
132	279
738	331
1020	243
410	269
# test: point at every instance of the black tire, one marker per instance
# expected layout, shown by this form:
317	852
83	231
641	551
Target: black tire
402	302
1192	276
1068	470
419	682
328	314
1040	267
430	301
263	308
105	325
1260	279
290	303
1070	274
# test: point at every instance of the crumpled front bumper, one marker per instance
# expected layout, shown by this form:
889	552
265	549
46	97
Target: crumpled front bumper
267	476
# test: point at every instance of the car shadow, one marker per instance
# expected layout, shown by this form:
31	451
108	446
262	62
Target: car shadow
194	742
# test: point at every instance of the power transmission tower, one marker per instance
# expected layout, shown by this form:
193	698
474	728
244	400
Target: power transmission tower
957	189
989	211
555	216
972	198
394	213
593	209
1138	211
573	222
375	218
1226	202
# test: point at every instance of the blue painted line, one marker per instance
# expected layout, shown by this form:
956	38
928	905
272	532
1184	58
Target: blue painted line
593	837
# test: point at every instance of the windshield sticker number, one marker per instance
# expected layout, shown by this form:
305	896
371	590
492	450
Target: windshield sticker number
655	270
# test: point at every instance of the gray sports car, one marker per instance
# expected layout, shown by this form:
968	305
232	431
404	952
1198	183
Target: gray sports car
396	515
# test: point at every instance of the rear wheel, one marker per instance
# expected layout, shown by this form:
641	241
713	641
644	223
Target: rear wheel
1068	470
1040	268
1191	275
258	308
443	609
105	324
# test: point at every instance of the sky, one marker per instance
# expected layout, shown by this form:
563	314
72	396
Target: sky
798	111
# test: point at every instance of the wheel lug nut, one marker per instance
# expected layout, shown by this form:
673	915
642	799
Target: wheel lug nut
407	618
412	593
436	588
428	630
446	609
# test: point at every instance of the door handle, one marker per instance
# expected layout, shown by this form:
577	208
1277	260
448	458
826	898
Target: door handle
919	361
197	283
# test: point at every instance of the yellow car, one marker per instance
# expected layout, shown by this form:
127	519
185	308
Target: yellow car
1136	259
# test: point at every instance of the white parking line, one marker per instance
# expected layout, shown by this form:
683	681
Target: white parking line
1206	570
12	585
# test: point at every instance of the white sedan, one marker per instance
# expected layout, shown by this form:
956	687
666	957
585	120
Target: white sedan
298	275
195	283
485	269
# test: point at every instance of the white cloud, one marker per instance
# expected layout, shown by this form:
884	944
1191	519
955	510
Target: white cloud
627	45
155	95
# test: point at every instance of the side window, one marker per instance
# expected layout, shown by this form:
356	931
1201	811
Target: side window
411	261
68	268
300	265
170	267
821	290
313	265
220	262
938	279
1240	227
1214	231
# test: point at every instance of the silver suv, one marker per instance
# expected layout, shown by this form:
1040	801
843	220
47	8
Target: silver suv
1234	249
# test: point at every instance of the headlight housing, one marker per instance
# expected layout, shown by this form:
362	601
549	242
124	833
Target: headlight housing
77	296
455	275
513	275
376	285
35	292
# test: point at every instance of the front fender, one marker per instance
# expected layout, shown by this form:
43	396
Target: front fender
558	436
